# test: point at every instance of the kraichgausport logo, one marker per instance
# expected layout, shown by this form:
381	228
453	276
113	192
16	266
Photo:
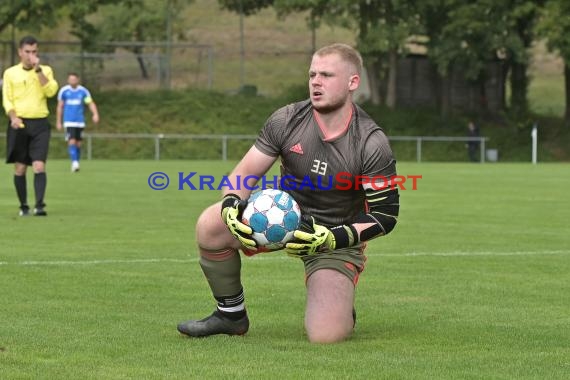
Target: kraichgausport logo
341	181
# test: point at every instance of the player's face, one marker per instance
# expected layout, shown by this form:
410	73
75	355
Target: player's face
28	55
331	82
73	81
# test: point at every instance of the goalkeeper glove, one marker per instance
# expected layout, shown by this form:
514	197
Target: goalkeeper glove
232	210
311	238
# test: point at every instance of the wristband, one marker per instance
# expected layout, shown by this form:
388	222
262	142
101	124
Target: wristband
344	236
229	200
39	70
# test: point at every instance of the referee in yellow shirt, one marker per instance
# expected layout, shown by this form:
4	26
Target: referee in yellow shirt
25	89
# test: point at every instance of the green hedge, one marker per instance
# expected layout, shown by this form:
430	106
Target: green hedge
207	112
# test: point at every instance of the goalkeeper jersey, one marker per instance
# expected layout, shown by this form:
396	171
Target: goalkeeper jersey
74	101
312	166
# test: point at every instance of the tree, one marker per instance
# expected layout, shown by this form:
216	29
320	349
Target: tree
139	21
30	14
470	39
85	31
433	16
247	7
520	17
468	34
382	29
554	25
372	47
35	14
317	10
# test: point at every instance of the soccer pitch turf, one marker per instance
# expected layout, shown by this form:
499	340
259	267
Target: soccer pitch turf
473	282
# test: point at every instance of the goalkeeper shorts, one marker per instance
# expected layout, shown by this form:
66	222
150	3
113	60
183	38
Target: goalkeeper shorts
348	261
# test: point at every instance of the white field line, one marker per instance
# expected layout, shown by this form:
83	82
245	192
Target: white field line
278	257
482	253
98	262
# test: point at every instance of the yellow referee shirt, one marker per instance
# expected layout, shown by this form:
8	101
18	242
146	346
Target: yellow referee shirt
22	92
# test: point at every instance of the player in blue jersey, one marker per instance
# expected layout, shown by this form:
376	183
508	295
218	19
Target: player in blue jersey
72	99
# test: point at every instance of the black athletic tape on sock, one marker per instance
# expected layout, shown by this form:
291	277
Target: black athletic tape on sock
231	301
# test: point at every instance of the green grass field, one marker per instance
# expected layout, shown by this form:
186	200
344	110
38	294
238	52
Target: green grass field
472	283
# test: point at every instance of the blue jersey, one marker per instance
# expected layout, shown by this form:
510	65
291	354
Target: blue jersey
74	101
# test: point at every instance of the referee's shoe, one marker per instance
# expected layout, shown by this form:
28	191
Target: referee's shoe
217	323
39	211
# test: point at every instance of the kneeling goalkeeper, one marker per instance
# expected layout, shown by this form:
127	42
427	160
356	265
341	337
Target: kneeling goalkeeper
319	137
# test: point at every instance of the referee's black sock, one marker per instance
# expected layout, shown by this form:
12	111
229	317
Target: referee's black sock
40	182
21	190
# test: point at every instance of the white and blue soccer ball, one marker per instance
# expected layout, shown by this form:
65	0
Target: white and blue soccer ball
273	215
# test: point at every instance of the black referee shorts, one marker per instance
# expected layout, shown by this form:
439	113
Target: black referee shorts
28	144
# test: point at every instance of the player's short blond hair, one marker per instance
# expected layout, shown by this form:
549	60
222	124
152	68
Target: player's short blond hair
346	52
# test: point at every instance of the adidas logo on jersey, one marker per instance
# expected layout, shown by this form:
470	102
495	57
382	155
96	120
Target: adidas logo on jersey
297	148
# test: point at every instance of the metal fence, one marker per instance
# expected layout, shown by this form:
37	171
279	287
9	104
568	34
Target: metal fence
126	65
420	139
224	139
161	65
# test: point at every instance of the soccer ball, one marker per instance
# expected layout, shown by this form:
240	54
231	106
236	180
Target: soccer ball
273	215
